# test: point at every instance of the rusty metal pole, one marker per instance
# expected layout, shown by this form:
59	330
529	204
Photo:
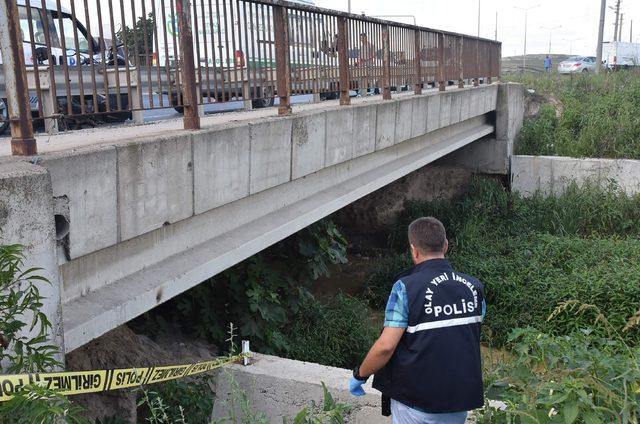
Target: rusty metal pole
417	88
461	63
476	80
386	64
15	74
190	92
441	85
343	64
283	64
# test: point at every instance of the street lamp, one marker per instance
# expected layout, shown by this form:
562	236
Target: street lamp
571	40
551	32
526	13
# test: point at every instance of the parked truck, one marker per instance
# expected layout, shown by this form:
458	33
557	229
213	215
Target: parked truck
621	55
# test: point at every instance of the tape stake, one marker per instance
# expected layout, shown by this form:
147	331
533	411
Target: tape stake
246	351
79	382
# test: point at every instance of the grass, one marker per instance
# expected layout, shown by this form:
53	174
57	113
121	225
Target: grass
591	116
534	253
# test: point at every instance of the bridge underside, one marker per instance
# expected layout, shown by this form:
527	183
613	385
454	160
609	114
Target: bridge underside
151	218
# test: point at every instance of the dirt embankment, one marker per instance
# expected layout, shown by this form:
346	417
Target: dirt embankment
122	348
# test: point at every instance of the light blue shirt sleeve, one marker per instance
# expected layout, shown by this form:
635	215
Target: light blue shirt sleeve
484	309
397	311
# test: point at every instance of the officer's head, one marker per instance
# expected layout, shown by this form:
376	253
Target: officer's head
427	239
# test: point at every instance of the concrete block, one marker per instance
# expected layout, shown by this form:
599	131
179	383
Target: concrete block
339	143
465	105
220	166
404	116
445	109
419	120
509	112
433	112
280	388
155	184
270	154
88	180
456	106
364	130
551	175
308	137
26	218
386	124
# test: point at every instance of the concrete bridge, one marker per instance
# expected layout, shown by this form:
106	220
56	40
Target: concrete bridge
122	220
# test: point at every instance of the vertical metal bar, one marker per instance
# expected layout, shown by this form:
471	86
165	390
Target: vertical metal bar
206	47
461	57
343	65
22	141
476	80
417	88
114	53
91	54
65	65
386	64
283	65
103	56
78	58
34	60
441	85
191	117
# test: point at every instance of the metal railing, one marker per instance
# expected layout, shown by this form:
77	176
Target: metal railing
69	61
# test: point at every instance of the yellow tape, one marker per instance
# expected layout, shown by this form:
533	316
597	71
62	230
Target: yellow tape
78	382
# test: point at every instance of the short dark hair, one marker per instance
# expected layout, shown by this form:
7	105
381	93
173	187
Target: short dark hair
428	235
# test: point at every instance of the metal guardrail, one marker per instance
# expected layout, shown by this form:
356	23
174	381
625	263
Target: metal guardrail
113	59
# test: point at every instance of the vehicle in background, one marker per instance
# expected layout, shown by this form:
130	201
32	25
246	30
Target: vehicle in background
621	55
76	47
577	64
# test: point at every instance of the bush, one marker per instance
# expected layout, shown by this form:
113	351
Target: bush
533	253
338	334
599	117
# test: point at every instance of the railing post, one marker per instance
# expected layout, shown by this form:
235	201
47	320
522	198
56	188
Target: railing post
476	80
441	85
190	92
343	64
417	88
461	63
386	64
283	65
15	74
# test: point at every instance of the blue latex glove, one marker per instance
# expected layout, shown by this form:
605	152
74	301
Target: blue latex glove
355	386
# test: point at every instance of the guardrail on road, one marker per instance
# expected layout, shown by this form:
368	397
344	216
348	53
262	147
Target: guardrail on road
111	60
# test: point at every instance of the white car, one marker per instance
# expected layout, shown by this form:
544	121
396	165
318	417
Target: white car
577	65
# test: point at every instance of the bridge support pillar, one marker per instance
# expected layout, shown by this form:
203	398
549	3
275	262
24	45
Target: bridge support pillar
27	218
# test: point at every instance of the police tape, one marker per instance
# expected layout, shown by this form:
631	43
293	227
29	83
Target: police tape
81	382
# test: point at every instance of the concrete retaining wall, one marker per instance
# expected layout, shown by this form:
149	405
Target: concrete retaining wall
552	174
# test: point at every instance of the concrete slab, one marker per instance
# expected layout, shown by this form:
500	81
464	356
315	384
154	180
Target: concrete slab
465	105
308	138
270	154
551	175
445	110
26	218
280	388
419	119
220	166
88	180
386	124
364	130
456	106
155	184
339	142
433	115
404	116
476	106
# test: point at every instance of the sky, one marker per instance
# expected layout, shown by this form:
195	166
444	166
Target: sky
578	20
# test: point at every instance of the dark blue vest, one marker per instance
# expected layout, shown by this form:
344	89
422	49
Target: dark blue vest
437	364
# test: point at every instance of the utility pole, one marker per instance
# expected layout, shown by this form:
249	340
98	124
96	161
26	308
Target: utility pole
603	11
479	18
496	33
349	6
526	15
620	27
615	28
631	32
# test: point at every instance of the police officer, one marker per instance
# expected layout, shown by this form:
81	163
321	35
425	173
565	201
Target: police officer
427	359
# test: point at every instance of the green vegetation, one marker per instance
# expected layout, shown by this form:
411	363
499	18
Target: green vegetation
588	116
534	253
